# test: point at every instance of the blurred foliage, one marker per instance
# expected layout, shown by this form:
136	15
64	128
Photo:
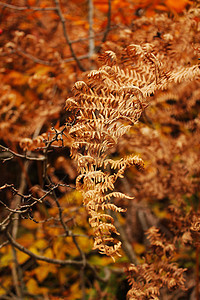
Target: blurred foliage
37	72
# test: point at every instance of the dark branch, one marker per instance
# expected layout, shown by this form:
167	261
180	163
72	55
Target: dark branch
52	260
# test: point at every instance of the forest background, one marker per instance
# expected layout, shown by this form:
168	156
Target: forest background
47	250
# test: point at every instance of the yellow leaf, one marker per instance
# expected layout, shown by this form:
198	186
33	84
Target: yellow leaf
34	250
6	282
139	248
70	248
74	197
41	244
33	287
6	259
100	260
62	276
22	257
75	291
2	291
58	248
159	213
85	244
40	70
41	272
49	253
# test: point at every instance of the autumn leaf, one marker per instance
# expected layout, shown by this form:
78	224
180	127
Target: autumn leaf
178	5
22	257
42	271
34	289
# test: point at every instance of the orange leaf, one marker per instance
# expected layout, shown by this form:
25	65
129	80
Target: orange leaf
26	240
31	2
17	78
29	224
178	5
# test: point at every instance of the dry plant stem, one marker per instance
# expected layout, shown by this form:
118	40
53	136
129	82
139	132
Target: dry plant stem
91	31
62	19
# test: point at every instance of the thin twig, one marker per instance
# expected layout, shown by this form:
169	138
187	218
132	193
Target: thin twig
65	227
33	58
21	8
4	244
62	19
4	224
52	260
44	62
41	257
41	158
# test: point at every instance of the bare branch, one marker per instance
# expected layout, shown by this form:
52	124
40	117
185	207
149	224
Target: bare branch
52	260
65	227
91	31
40	158
41	257
4	244
21	8
17	210
4	224
33	58
15	274
62	19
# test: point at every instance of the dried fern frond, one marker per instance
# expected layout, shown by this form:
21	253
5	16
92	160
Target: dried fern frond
107	104
106	108
158	271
